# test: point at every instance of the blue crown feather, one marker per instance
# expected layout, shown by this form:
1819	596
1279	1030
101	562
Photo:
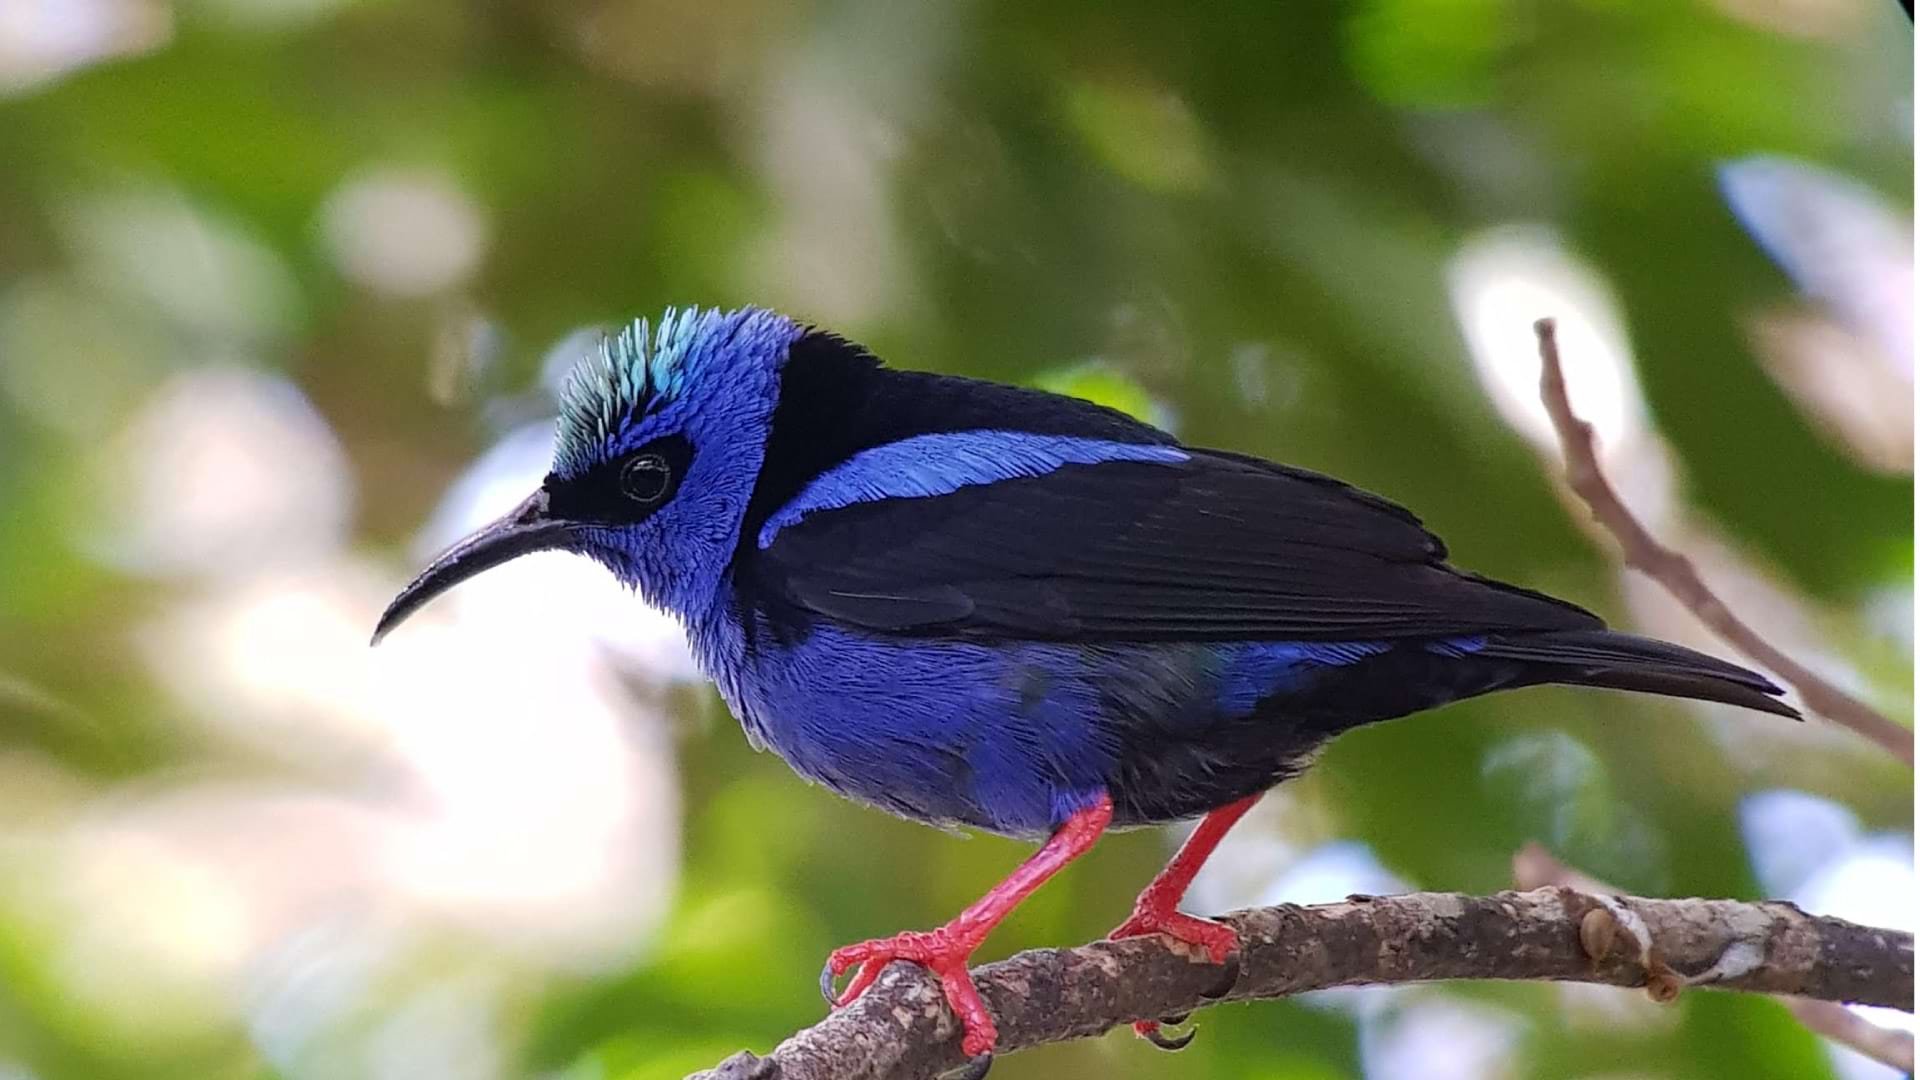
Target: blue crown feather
633	373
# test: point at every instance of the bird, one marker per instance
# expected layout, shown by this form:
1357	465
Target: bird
991	607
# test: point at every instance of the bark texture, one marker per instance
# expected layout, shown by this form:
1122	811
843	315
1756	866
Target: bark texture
901	1029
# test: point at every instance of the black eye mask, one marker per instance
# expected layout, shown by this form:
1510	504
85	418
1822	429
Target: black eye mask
626	489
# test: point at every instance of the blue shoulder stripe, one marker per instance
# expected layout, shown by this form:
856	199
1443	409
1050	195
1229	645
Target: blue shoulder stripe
941	464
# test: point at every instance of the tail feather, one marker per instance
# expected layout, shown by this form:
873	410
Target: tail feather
1618	661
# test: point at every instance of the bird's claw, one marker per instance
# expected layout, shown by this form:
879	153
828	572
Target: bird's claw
871	959
827	975
1222	946
1152	1030
944	954
975	1068
1229	978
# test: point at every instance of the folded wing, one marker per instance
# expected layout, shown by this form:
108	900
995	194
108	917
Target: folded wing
1214	547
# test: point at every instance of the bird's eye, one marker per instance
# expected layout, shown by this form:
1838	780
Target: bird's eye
644	479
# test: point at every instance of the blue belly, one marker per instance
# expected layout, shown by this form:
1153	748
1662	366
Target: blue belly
1014	737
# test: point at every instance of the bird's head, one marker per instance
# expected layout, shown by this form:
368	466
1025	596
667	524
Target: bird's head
661	436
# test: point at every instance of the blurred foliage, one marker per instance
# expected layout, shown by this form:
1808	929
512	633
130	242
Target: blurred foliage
1235	219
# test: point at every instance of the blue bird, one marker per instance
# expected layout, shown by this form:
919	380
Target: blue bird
977	605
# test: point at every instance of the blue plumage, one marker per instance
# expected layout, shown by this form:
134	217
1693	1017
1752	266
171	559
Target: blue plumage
939	464
979	605
644	380
1011	738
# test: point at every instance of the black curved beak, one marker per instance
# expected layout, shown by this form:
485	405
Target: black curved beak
527	528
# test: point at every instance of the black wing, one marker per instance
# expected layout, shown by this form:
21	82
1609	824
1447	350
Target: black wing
1220	547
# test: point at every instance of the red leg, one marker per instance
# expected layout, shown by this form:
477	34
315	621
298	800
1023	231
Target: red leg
1155	912
945	951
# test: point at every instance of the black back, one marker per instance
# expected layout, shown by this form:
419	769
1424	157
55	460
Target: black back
837	399
1221	547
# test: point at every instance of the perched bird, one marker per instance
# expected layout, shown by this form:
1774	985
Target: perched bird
978	605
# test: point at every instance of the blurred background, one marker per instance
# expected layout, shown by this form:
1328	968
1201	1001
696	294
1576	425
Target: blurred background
286	287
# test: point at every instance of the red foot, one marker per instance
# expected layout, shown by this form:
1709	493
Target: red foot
945	951
1217	938
1155	912
940	951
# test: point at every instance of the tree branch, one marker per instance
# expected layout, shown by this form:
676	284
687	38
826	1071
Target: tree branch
1534	867
1677	574
901	1029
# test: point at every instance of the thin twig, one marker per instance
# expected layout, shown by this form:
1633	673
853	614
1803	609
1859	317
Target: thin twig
1889	1046
902	1030
1535	867
1677	574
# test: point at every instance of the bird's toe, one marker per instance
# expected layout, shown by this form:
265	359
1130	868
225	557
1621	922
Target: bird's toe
1151	1031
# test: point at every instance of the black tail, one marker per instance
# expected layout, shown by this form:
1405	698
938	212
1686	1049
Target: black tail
1625	662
